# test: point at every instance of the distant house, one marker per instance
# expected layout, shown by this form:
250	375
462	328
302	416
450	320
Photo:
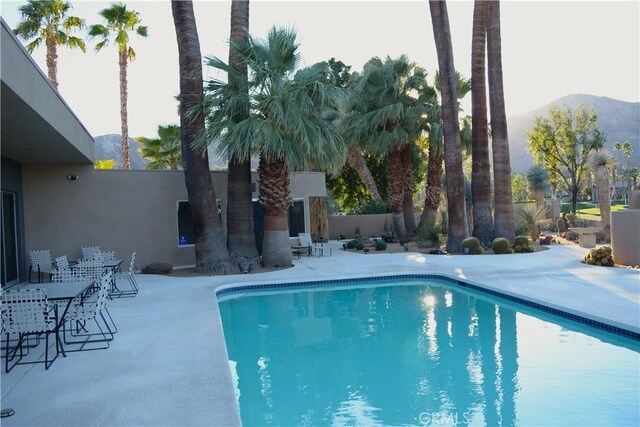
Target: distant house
53	198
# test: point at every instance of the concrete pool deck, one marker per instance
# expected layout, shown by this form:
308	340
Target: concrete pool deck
168	363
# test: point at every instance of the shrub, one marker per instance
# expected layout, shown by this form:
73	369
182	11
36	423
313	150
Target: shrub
403	241
374	207
433	236
522	249
341	236
521	245
359	245
600	256
351	244
500	245
473	244
381	245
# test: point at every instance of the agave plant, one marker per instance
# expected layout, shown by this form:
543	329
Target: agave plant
531	218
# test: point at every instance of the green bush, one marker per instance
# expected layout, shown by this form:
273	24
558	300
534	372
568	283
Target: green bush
342	236
351	244
473	244
600	256
522	249
521	245
381	245
374	207
521	241
359	245
500	245
403	241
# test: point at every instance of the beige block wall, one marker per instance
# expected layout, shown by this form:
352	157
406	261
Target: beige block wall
125	211
625	236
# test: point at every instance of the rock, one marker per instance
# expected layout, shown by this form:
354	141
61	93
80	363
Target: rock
157	268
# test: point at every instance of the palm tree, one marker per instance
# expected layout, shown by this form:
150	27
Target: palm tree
284	126
165	152
118	23
436	153
481	168
538	180
504	225
458	228
47	21
600	161
211	252
387	118
355	157
241	240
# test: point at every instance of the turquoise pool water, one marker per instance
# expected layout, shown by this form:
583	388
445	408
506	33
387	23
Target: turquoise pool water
422	353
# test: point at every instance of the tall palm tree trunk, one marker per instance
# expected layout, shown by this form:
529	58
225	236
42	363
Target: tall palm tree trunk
212	255
275	200
604	203
241	240
124	125
395	174
407	184
432	190
480	168
52	59
458	229
504	221
357	162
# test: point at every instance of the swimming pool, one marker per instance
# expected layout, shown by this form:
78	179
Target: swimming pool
421	352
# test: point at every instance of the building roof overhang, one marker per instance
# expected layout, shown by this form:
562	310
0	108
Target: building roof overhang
37	125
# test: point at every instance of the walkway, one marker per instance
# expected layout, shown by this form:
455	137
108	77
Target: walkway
168	363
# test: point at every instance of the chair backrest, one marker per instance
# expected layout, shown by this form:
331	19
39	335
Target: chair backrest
41	260
62	262
67	275
103	292
25	311
92	269
132	264
105	255
88	252
305	239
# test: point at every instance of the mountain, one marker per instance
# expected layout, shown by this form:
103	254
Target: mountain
109	147
618	120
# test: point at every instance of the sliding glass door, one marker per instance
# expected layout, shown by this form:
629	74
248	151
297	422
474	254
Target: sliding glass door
9	239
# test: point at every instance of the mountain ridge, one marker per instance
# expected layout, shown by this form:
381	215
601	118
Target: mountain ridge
618	120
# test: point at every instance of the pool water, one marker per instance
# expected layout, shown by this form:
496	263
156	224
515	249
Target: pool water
422	353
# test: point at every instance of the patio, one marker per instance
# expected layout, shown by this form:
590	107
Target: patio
168	363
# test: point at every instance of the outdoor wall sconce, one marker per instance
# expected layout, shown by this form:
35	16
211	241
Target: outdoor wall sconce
72	177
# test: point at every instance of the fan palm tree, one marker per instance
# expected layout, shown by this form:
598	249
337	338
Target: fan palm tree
355	157
241	240
458	227
119	22
436	152
165	152
504	225
211	252
600	161
47	21
387	118
481	168
284	126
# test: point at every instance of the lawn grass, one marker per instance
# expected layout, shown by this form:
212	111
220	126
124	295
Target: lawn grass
588	210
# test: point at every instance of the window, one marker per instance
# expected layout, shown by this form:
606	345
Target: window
186	237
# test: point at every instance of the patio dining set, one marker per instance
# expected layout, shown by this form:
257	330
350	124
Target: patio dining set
65	300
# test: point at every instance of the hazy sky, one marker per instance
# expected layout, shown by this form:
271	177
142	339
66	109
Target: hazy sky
549	49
